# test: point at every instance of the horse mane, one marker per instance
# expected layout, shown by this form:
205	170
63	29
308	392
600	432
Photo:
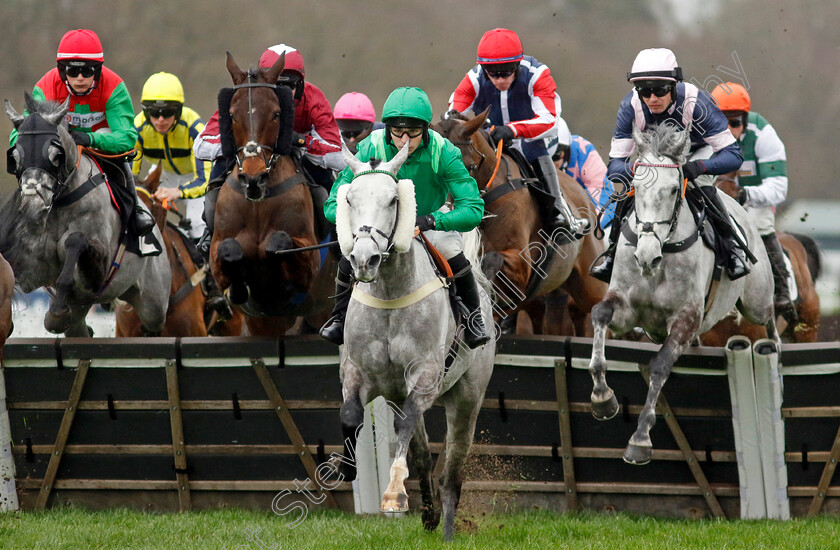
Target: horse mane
664	139
374	162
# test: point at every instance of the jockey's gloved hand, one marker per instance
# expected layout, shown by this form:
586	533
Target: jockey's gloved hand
300	140
503	133
742	196
451	113
692	169
425	223
81	138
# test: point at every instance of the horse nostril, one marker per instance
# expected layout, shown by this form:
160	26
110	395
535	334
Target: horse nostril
374	261
655	263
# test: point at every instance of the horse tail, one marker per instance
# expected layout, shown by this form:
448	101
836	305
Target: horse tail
472	251
813	253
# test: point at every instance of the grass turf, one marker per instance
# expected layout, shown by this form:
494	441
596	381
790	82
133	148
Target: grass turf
246	529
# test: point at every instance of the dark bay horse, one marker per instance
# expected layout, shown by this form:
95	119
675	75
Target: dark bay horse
516	248
185	315
7	292
264	209
61	231
804	256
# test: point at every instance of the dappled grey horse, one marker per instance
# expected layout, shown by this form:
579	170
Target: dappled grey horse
398	333
661	283
60	230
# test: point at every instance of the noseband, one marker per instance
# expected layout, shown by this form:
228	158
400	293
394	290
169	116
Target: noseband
648	227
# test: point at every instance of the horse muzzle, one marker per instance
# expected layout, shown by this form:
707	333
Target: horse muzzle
365	260
254	185
648	254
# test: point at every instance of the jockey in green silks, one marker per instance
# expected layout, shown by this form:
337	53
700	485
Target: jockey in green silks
435	166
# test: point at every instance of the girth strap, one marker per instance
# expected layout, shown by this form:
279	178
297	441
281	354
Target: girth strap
80	191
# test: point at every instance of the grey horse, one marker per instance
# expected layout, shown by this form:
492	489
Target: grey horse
67	245
398	333
661	285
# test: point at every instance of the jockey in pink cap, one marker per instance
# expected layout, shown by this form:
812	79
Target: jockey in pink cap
356	118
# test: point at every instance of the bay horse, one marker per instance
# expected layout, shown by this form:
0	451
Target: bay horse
518	258
399	349
804	256
7	293
264	208
185	314
661	281
60	230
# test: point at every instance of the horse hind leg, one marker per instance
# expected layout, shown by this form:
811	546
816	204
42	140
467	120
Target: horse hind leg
683	329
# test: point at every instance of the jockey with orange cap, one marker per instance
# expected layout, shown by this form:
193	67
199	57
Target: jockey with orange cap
101	115
523	105
659	96
316	136
762	180
356	118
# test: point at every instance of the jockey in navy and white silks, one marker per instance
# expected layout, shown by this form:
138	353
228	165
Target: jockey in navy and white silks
524	104
660	97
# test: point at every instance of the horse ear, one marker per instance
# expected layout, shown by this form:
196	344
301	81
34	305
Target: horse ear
17	119
396	163
237	74
472	125
343	231
152	179
58	116
355	164
407	216
273	73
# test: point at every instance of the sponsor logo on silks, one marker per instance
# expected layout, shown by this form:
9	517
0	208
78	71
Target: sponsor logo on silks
85	120
748	168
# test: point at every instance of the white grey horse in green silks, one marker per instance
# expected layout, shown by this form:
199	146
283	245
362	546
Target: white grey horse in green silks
398	350
661	281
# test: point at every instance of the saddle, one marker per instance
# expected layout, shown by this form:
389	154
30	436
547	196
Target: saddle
122	198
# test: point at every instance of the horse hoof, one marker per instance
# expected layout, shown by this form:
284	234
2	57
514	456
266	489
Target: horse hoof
279	241
638	455
605	410
57	323
229	251
394	502
431	518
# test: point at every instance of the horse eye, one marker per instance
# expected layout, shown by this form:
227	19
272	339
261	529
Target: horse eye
276	114
393	201
55	153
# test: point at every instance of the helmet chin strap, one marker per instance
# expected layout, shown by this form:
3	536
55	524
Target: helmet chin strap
82	94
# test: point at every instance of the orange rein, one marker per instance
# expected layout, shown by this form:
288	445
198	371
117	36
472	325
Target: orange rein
496	169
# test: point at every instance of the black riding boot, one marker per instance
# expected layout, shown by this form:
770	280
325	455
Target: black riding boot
141	218
603	271
333	329
782	303
737	265
209	217
475	334
561	215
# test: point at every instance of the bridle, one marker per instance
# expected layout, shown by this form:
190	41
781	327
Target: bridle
59	174
472	168
368	230
648	226
253	148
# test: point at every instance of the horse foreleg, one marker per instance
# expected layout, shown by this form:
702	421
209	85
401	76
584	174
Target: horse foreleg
58	315
422	460
604	403
231	254
395	498
683	329
352	415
